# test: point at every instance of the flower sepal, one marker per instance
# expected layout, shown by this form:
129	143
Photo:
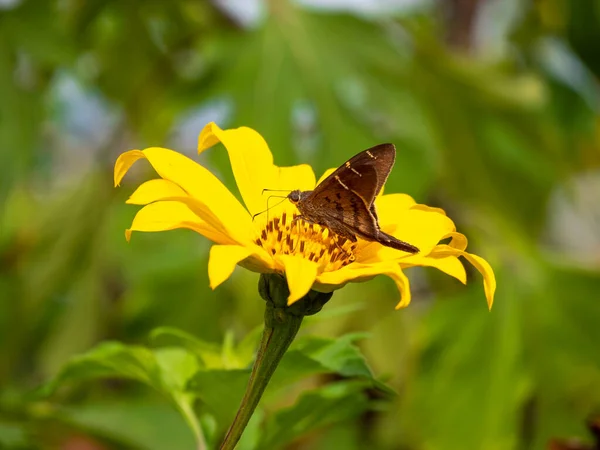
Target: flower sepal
273	288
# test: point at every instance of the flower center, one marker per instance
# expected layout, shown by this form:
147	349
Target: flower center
284	236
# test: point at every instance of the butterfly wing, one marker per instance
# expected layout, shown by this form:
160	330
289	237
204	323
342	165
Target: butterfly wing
346	216
350	217
363	174
344	201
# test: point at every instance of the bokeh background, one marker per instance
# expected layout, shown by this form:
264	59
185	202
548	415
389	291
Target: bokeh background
494	108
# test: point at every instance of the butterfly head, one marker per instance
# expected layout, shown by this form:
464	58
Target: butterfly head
295	196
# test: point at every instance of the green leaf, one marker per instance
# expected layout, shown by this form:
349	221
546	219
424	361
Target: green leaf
167	370
221	391
209	353
340	355
246	349
315	409
311	355
110	359
143	425
229	356
177	366
12	435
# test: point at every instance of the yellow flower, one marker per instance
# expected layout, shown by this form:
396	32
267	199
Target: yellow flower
187	195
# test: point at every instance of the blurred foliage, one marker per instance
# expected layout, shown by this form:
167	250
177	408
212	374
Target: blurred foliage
499	127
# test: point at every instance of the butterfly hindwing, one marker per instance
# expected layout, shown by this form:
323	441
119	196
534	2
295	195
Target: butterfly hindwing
359	219
347	216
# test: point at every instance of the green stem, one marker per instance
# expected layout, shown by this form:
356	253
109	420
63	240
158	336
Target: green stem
275	341
282	323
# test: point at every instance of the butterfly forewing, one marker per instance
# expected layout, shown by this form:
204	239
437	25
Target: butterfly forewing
364	174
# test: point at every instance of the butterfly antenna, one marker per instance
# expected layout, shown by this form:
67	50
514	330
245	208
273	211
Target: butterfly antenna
298	233
268	207
276	190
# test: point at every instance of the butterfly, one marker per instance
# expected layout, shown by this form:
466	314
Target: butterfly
344	201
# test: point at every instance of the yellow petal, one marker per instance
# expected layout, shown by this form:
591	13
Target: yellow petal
154	190
389	205
295	177
326	174
289	178
237	235
403	286
259	261
222	262
300	274
169	215
489	279
252	165
329	281
430	209
251	161
450	265
124	162
423	229
459	241
197	182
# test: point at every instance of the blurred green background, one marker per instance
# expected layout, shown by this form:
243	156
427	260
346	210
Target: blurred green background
494	108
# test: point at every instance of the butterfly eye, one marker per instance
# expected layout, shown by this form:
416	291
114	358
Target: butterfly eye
294	196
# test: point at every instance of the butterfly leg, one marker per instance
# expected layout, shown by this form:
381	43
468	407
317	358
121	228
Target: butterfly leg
335	236
338	232
339	235
336	241
304	219
343	237
297	220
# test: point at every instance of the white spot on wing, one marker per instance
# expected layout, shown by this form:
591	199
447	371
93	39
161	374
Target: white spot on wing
340	181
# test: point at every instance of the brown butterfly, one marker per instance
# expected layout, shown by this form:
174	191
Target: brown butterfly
344	201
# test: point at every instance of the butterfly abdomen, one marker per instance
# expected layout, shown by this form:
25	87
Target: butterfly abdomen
390	241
